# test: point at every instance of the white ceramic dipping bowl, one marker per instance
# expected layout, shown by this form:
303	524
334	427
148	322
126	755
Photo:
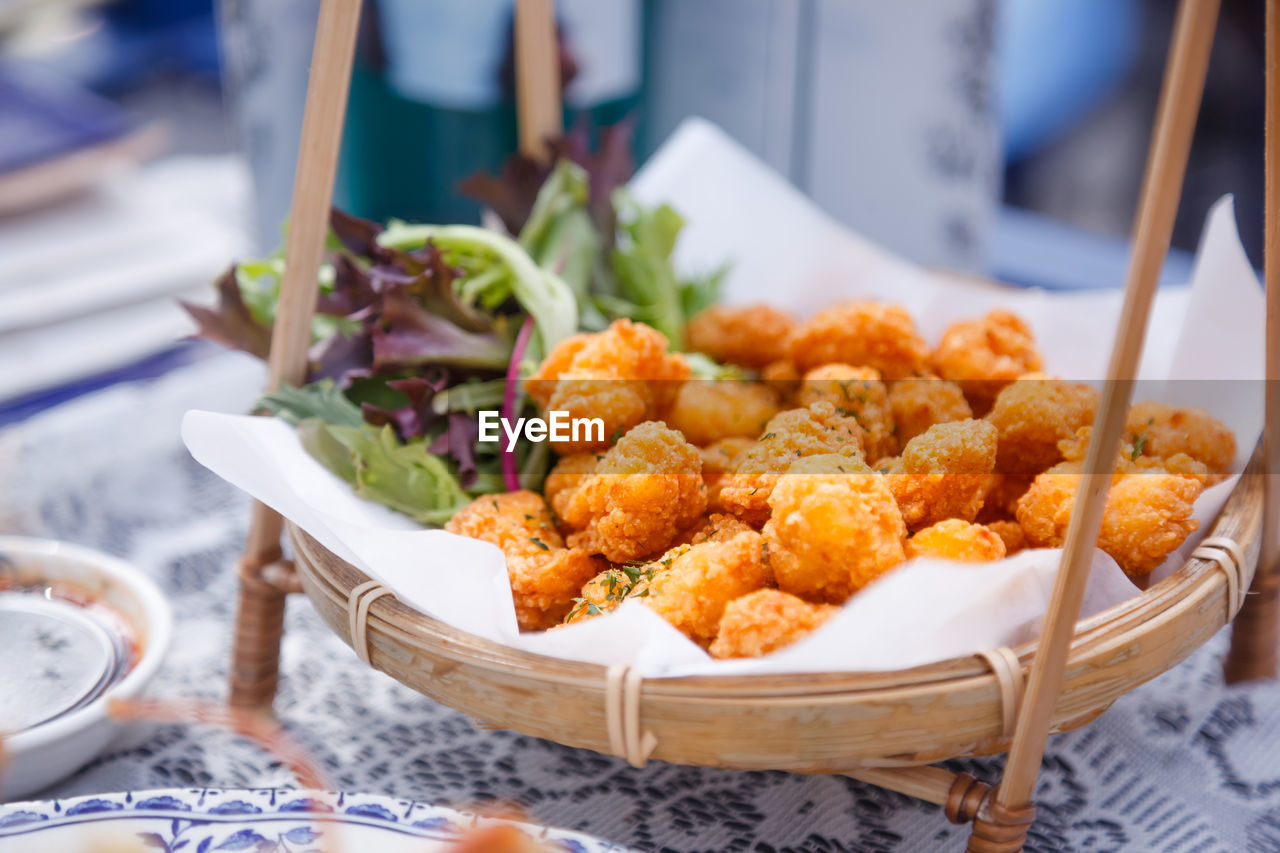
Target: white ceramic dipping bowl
39	756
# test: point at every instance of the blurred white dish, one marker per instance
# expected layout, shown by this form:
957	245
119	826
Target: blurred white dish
264	819
38	756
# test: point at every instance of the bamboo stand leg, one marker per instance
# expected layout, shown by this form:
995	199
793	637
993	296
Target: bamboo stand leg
1001	826
1256	630
263	578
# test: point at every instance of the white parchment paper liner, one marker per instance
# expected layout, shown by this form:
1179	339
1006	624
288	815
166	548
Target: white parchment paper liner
785	251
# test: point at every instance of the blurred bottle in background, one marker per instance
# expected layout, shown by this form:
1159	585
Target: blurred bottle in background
431	99
883	113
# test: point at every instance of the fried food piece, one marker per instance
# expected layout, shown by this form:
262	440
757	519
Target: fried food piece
719	458
692	592
764	621
622	376
544	574
1010	532
782	377
859	393
644	492
956	540
1147	516
568	474
718	528
835	527
1163	431
707	410
791	435
600	595
943	472
985	355
1000	495
750	336
864	334
1032	415
917	404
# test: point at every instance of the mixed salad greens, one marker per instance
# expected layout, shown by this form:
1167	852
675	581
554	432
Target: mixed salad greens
418	327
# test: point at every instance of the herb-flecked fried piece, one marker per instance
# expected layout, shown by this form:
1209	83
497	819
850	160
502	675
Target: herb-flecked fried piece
764	621
544	574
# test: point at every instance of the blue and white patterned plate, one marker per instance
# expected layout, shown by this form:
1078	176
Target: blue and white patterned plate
256	820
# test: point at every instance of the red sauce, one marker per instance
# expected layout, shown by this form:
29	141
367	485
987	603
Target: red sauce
73	593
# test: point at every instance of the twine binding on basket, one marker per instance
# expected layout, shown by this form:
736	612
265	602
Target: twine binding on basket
622	716
1226	553
358	602
1008	672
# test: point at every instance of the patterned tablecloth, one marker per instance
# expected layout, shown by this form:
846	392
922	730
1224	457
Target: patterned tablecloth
1182	764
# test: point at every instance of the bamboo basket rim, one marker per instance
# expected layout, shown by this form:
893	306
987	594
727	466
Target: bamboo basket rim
1196	582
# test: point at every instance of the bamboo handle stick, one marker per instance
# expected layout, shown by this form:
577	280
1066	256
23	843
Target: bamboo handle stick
313	180
1162	185
255	657
1256	631
538	109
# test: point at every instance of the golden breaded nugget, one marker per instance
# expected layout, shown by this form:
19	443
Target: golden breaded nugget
956	540
718	459
858	393
1147	516
1010	532
691	592
789	436
708	410
987	354
644	492
751	336
943	472
566	476
782	377
917	404
834	528
764	621
1032	415
623	375
544	575
864	334
1165	431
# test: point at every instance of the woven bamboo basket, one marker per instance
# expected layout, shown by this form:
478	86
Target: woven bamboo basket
883	727
807	723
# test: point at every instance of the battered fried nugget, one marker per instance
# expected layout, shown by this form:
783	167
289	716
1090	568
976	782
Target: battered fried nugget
1000	495
622	376
719	458
566	476
782	377
1165	431
1147	516
644	492
764	621
835	527
865	334
544	575
601	594
718	527
987	354
707	410
943	472
859	393
1010	532
917	404
956	540
1032	415
791	435
691	593
750	336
